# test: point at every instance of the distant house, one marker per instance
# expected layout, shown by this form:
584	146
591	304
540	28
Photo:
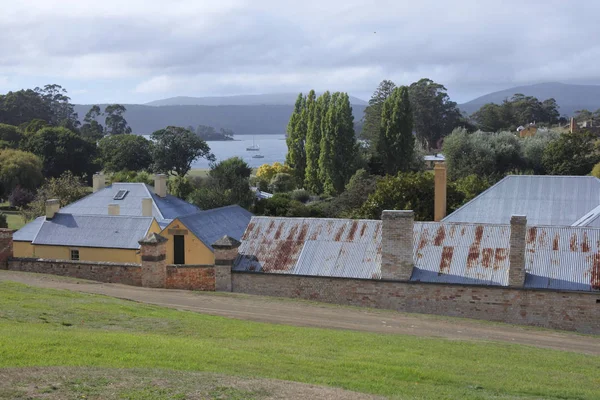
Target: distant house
545	200
107	225
431	159
527	131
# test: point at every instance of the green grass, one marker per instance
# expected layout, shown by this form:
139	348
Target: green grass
42	327
201	172
14	220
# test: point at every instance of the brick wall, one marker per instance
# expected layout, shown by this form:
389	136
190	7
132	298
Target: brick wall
127	274
191	277
576	311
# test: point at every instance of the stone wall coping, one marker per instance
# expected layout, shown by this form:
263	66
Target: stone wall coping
182	266
54	261
457	285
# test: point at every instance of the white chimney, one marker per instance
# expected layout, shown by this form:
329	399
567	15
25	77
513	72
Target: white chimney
52	207
99	182
160	185
147	207
114	209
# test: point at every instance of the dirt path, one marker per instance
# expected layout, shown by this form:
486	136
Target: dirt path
301	313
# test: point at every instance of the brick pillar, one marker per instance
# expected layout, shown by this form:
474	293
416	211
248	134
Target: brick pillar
397	245
516	271
6	247
154	264
440	184
226	252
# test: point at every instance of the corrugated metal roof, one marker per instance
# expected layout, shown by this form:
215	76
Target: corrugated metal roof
461	253
565	258
28	232
211	225
545	200
107	231
169	207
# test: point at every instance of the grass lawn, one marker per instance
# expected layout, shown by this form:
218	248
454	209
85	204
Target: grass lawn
201	172
14	220
44	328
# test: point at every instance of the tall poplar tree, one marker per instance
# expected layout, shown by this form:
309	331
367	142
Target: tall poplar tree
296	137
396	142
317	112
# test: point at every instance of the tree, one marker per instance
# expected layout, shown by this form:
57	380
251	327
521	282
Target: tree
296	134
516	111
9	136
115	122
23	106
337	157
227	183
62	150
268	171
33	126
125	152
20	197
372	118
571	154
282	183
67	188
358	190
3	221
133	176
61	110
210	133
92	129
176	148
315	127
434	114
533	150
396	143
19	169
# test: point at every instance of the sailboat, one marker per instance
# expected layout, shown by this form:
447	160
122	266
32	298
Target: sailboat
254	146
258	156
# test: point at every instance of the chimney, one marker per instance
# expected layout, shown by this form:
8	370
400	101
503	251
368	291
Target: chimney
147	207
52	207
99	182
160	185
572	126
516	266
114	209
440	191
397	244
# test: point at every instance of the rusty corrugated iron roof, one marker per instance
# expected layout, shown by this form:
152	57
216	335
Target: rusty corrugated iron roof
443	252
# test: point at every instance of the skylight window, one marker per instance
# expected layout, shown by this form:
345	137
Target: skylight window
121	194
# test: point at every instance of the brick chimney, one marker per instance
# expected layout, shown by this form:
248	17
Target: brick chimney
147	204
440	182
573	126
516	271
160	185
52	207
397	244
114	209
98	182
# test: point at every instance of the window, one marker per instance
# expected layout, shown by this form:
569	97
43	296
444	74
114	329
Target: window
74	254
121	194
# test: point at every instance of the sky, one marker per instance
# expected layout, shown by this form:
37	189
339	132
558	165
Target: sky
136	51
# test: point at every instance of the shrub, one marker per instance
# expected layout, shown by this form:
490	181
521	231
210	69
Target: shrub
3	222
20	197
300	195
282	183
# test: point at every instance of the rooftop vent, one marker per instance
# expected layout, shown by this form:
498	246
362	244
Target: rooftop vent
121	194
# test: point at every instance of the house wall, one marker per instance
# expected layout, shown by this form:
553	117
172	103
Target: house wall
575	311
196	252
128	274
98	254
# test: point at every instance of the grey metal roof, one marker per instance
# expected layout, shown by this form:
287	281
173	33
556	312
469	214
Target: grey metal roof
566	258
211	225
545	200
169	207
108	231
28	232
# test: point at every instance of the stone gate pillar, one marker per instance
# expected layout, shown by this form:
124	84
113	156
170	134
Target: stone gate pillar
226	251
154	263
6	247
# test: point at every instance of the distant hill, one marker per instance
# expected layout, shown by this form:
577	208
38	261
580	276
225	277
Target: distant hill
570	98
242	119
243	100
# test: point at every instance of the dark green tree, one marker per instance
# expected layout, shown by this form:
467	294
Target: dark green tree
372	118
571	154
125	152
434	114
91	128
61	110
296	136
317	113
10	137
115	122
176	148
396	142
23	106
62	150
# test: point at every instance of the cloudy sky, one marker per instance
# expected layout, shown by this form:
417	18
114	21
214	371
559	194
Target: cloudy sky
135	51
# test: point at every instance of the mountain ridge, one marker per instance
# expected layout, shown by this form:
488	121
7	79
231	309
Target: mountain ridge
238	100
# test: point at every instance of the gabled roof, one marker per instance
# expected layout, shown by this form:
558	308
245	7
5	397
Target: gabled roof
106	231
565	258
211	225
164	208
545	200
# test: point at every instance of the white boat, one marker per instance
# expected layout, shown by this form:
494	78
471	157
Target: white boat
258	156
254	146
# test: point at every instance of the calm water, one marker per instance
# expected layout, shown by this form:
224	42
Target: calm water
273	147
